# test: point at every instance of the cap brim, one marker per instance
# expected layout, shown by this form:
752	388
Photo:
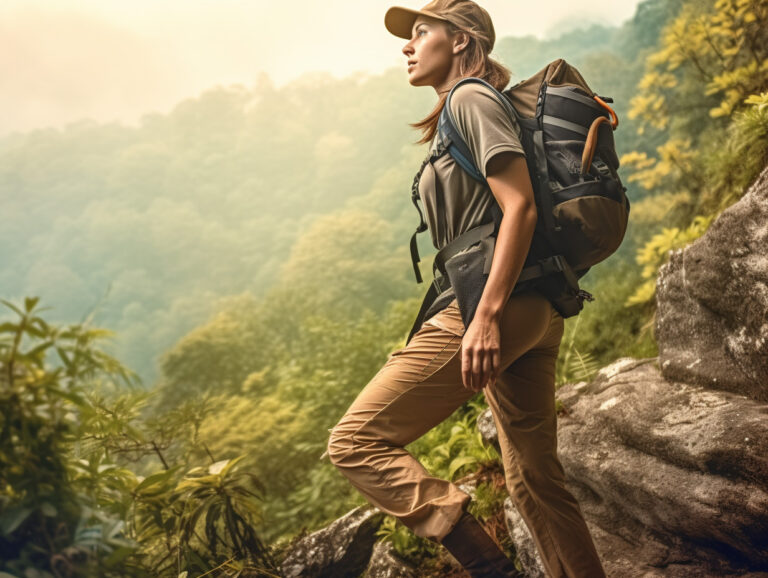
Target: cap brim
399	21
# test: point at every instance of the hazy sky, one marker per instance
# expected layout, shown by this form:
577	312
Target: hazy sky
65	60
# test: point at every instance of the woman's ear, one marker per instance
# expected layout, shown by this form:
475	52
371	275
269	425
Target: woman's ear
460	41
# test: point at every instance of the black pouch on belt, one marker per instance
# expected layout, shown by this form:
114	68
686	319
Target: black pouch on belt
468	273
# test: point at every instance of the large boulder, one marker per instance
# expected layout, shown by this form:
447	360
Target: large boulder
342	549
672	478
712	298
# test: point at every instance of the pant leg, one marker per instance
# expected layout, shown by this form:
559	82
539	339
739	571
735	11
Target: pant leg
420	386
523	407
404	400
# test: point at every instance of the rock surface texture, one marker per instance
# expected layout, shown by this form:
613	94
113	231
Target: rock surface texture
672	478
386	564
712	296
342	549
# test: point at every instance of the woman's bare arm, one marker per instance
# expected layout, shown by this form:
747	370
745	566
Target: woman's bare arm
508	179
511	186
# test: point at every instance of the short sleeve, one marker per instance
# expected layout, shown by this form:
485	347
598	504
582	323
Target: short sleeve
485	124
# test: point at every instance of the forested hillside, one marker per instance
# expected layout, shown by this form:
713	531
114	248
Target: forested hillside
249	251
151	226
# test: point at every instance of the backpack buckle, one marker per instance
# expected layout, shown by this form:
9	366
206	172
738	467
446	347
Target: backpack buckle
584	296
602	167
558	264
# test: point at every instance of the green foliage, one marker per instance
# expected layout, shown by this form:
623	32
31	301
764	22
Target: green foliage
605	328
68	507
716	49
455	446
200	203
46	515
406	544
656	252
345	261
574	365
673	165
735	162
320	496
488	499
713	56
224	504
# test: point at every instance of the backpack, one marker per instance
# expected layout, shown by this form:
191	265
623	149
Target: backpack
583	211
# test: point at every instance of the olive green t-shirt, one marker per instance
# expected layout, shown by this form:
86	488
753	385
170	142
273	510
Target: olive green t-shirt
488	129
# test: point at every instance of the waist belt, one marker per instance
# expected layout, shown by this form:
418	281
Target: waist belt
460	243
544	267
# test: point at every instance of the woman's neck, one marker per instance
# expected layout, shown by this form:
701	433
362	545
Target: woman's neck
448	85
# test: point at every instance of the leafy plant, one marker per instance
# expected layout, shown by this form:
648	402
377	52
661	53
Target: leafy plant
406	544
574	365
68	507
656	252
455	446
223	502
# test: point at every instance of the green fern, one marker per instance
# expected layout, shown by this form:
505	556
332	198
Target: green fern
574	365
656	252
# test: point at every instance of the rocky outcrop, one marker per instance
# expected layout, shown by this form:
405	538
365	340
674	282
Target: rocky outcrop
386	564
712	296
672	477
525	548
668	456
342	549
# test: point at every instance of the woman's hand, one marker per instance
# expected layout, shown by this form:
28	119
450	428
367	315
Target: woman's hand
480	357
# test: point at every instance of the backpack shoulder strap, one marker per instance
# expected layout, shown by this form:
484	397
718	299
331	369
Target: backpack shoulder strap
451	138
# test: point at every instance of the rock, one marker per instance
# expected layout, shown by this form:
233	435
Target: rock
671	477
675	469
525	549
712	302
687	426
342	549
487	428
386	564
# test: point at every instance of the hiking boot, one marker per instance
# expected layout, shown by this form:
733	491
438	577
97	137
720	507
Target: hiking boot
476	551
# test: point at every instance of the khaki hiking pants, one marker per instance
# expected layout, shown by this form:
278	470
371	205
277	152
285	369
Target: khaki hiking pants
420	385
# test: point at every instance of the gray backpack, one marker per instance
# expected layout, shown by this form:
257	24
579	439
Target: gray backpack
567	136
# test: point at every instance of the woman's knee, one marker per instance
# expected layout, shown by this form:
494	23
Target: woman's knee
351	443
340	444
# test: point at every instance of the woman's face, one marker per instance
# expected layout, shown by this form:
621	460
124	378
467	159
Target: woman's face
429	52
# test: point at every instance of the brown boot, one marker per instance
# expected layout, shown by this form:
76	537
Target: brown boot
476	551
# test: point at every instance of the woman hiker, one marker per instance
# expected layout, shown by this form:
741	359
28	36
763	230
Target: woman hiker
508	350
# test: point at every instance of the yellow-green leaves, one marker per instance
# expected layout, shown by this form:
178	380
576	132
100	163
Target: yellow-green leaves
675	160
656	252
720	50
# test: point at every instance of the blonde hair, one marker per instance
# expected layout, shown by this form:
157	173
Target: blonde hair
474	61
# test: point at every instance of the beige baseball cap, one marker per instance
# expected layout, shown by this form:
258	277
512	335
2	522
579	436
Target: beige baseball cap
463	13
